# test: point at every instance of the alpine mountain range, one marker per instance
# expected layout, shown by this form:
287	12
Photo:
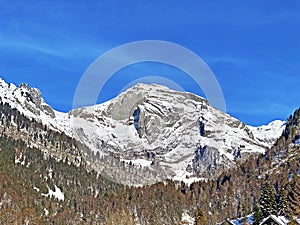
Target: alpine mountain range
149	129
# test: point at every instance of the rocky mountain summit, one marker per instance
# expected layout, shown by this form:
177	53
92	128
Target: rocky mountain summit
25	99
150	133
180	133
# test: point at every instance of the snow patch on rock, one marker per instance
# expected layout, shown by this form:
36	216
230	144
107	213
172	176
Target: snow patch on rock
57	193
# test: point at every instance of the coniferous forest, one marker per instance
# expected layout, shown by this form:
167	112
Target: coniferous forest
264	184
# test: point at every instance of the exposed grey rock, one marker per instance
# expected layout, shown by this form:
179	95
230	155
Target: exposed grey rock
169	124
160	141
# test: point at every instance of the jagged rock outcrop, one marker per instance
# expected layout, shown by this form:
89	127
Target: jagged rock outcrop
147	131
168	124
26	99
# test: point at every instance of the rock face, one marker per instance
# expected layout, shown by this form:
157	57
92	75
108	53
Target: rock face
26	99
208	162
149	133
153	125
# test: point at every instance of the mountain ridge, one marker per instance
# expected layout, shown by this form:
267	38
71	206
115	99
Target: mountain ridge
172	131
42	161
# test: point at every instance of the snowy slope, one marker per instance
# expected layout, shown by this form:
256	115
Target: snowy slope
29	102
149	120
151	126
268	134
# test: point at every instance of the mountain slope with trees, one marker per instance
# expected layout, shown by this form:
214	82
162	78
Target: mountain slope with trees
37	163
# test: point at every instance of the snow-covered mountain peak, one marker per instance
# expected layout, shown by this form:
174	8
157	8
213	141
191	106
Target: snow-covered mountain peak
4	87
175	135
25	99
3	84
153	124
159	98
149	87
269	133
152	89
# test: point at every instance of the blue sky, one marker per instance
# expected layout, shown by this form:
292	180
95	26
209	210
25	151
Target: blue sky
253	47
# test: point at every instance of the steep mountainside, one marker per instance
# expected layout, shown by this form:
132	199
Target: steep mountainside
178	134
149	129
39	188
47	177
268	134
35	189
265	184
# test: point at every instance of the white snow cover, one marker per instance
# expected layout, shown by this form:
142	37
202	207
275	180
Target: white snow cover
170	129
187	178
172	123
187	219
55	194
36	189
16	98
46	212
279	220
268	134
138	162
249	218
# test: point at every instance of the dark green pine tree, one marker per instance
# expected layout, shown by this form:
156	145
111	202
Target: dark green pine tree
258	215
283	208
267	201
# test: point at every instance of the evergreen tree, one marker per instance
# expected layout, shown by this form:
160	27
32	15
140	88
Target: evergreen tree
258	215
283	203
267	201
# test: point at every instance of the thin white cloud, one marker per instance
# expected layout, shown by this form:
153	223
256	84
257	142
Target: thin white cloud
68	51
31	47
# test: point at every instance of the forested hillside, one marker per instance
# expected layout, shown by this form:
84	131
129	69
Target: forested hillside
88	198
58	187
